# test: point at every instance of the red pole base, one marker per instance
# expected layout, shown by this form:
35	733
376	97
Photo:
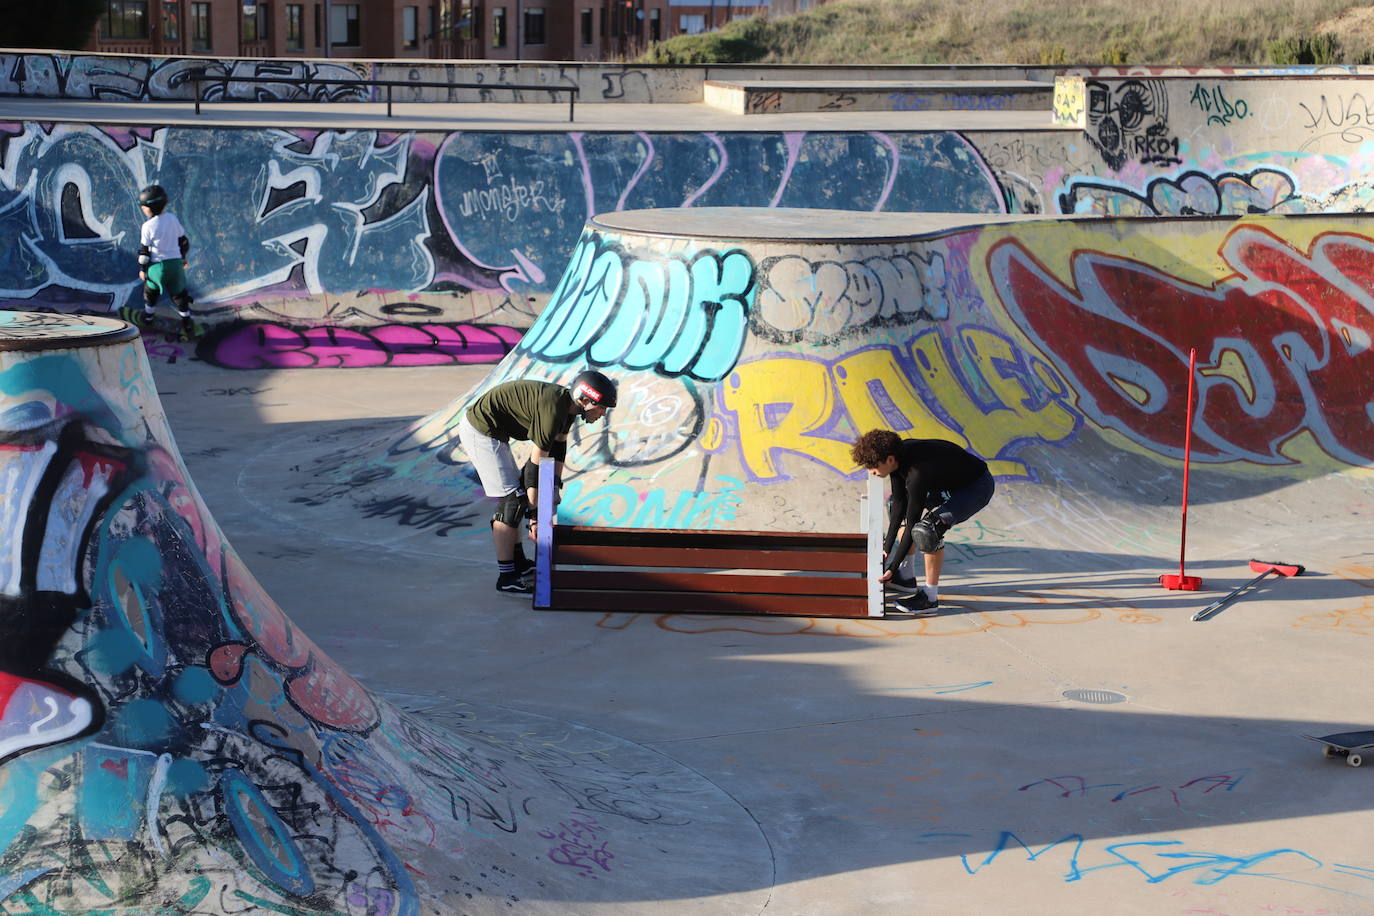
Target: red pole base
1185	583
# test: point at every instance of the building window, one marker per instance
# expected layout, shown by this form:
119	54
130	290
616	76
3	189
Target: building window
410	27
467	24
248	30
295	27
171	22
125	19
586	17
319	42
691	25
344	24
534	26
655	26
498	27
200	26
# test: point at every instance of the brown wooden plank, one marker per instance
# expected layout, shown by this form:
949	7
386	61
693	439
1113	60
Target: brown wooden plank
688	603
708	558
673	537
625	580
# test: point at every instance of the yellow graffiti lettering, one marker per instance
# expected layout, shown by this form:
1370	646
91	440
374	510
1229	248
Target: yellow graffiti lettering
778	403
858	374
989	432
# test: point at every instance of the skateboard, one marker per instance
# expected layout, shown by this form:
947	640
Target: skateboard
168	328
1346	744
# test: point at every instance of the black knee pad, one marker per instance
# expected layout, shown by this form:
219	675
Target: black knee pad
150	295
182	301
511	509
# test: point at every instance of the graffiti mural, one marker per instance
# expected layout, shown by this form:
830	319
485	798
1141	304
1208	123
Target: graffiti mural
1128	121
316	226
675	316
1281	334
746	373
169	738
269	345
132	78
1191	193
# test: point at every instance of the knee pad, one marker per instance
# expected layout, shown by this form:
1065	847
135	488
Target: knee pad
150	295
928	535
511	509
182	301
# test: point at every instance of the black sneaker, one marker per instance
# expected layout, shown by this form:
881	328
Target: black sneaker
916	603
512	584
524	567
138	317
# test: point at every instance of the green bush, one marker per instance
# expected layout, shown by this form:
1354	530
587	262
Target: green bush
740	42
1304	49
1114	54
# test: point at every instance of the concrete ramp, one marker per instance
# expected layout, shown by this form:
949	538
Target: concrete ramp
752	344
173	743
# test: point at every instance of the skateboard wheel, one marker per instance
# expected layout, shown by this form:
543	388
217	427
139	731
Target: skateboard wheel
1329	751
1354	760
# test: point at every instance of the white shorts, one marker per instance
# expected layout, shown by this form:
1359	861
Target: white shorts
492	459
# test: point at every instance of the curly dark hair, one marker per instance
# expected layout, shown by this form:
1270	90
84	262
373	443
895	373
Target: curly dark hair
874	447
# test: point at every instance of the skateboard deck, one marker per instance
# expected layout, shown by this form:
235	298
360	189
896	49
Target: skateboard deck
1345	744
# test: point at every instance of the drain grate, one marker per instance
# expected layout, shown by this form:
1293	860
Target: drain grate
1094	696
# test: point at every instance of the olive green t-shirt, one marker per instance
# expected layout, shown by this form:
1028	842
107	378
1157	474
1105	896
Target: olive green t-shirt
537	411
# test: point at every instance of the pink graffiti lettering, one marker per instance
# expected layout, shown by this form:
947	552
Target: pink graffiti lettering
264	345
578	847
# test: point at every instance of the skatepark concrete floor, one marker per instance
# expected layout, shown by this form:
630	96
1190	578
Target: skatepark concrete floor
1054	740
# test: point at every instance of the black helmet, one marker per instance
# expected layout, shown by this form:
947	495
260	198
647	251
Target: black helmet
154	197
592	384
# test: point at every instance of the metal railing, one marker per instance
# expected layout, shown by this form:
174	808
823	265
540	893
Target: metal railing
200	79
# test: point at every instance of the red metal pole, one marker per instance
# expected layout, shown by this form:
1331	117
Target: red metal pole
1187	455
1183	581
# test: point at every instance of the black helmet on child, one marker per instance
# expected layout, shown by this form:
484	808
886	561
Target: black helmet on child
594	386
154	197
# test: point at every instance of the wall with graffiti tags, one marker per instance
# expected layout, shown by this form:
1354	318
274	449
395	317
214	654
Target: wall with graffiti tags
747	367
301	237
370	229
366	228
170	741
132	77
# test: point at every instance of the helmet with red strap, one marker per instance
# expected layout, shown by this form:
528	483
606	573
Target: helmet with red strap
595	387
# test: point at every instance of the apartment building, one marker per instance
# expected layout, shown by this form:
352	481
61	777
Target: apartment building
588	30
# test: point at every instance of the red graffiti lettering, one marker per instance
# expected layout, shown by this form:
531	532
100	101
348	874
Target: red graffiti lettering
1284	339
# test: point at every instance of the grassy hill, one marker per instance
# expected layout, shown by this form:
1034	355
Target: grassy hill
1050	32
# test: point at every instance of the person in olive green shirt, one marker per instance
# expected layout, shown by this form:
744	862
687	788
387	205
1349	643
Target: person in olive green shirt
542	413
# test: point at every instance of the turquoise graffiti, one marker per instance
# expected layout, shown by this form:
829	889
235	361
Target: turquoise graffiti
676	315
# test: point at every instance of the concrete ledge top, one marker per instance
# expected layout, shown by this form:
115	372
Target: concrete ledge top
792	224
49	331
499	116
823	85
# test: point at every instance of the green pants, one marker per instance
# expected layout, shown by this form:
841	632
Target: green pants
166	277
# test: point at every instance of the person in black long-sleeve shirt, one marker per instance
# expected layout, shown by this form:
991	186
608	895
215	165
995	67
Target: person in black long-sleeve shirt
935	486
